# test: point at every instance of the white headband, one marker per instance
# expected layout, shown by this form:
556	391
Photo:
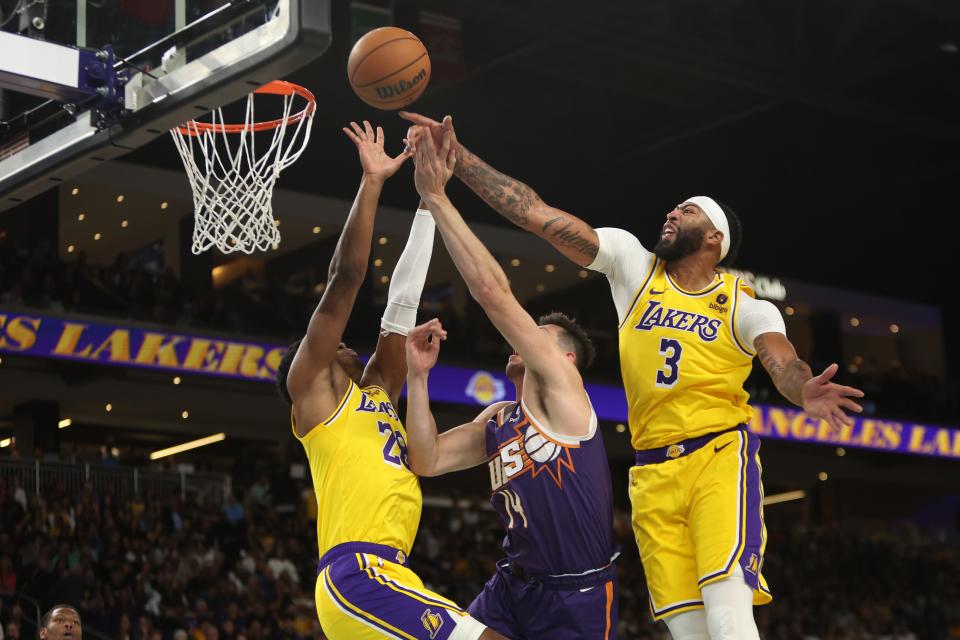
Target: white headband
719	219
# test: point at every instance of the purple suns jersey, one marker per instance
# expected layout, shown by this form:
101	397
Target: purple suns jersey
553	493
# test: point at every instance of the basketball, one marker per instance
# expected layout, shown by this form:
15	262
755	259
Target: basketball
388	68
539	448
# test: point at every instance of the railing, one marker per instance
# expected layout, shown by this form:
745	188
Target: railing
38	476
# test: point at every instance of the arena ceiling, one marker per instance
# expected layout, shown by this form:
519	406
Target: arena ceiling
832	128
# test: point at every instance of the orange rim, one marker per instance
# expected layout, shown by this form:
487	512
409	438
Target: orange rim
277	87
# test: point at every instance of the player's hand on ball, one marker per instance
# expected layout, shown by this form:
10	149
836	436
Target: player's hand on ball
434	164
827	400
374	160
423	346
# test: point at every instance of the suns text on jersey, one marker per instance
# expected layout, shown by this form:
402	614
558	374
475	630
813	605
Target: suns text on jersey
656	315
510	460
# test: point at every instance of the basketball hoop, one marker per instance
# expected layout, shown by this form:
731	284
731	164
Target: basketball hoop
233	180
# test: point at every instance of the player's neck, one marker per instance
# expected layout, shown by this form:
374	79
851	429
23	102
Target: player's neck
693	272
518	386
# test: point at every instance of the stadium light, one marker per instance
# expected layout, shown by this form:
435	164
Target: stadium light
6	442
786	496
66	422
186	446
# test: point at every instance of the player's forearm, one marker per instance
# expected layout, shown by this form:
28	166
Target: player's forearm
352	254
789	378
521	205
509	197
479	269
423	448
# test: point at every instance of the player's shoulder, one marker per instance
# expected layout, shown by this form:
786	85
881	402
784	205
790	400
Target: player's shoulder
618	238
493	410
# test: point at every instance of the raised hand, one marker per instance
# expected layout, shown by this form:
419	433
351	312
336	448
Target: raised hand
827	400
435	128
434	165
374	160
423	346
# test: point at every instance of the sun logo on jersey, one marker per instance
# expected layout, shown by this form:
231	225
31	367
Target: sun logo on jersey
531	450
538	447
431	622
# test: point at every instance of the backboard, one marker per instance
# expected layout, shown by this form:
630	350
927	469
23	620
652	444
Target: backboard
86	81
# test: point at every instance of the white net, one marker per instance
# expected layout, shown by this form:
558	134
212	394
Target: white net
232	176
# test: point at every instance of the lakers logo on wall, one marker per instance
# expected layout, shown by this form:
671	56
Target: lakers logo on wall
485	388
431	622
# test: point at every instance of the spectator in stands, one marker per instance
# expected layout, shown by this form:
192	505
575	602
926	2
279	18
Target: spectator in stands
8	577
61	621
233	510
280	565
259	493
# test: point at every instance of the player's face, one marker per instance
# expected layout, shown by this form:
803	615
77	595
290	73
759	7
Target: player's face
64	623
350	362
682	234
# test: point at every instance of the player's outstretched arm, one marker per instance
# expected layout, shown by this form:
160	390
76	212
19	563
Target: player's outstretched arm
819	397
388	367
485	278
516	201
429	453
348	267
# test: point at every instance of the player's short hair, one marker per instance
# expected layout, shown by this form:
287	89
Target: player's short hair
48	616
736	235
577	338
283	369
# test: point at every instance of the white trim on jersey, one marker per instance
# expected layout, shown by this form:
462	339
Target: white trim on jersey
556	437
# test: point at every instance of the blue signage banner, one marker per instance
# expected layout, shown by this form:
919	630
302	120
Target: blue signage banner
100	342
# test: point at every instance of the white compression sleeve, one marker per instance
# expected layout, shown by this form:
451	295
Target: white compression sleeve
756	317
729	607
409	275
626	264
689	625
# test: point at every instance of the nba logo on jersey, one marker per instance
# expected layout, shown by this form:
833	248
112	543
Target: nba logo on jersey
538	447
431	622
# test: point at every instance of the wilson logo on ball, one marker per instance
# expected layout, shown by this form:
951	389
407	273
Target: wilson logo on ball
404	86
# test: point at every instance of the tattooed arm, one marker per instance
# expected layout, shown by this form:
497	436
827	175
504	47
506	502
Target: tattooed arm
819	397
518	203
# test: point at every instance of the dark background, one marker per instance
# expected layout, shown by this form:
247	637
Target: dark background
830	128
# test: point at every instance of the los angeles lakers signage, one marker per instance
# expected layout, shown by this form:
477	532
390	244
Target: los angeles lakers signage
131	346
868	433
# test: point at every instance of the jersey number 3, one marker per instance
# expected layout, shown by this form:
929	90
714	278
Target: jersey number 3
671	350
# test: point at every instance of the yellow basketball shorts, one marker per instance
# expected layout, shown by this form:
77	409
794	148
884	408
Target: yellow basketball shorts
363	596
697	514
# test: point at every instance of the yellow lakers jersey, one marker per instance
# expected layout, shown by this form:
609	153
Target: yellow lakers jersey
365	489
683	363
